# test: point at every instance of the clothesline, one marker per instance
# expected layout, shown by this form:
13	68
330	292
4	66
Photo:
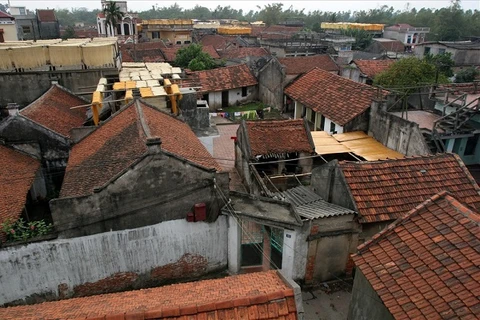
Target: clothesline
247	115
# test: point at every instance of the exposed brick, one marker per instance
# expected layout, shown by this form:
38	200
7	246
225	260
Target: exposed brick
116	282
188	264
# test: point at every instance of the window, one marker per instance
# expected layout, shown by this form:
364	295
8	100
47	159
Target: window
409	39
322	123
244	91
441	51
26	29
471	145
426	51
22	11
155	35
332	127
312	116
179	42
187	42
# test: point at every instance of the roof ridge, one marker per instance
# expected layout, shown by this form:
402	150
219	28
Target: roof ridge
412	157
141	120
382	234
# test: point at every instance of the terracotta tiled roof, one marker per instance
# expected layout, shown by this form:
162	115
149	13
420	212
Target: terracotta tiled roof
211	51
278	136
120	141
337	98
217	41
299	65
52	110
262	295
384	190
393	45
226	78
373	67
46	16
243	52
17	173
426	264
6	15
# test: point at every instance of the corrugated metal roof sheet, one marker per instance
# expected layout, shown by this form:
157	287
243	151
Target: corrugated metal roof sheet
310	205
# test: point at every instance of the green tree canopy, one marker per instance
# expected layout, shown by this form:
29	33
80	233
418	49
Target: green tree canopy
467	75
443	62
409	72
193	58
69	33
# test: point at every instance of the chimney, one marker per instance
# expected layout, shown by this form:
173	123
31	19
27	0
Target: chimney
12	109
154	145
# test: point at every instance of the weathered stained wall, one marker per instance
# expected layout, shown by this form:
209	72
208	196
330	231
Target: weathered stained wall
271	79
24	87
159	188
396	133
331	242
234	97
53	149
328	182
49	30
365	303
112	261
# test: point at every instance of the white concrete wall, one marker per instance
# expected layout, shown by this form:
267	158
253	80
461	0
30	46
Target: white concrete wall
234	97
39	268
328	122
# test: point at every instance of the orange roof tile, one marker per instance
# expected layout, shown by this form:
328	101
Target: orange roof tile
52	110
335	97
120	141
426	264
216	41
373	67
262	295
278	136
392	45
225	78
243	52
46	15
17	173
384	190
299	65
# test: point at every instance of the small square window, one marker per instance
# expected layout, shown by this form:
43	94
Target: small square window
244	91
26	29
441	51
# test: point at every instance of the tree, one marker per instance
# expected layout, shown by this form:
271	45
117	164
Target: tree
409	72
362	38
3	7
467	75
443	62
69	33
112	15
193	58
272	13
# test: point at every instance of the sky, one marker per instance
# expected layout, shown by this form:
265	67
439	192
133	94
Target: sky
247	5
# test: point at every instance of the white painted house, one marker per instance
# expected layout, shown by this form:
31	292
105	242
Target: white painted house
330	102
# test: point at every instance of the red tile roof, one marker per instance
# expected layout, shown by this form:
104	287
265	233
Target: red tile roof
384	190
226	78
392	45
373	67
145	51
262	295
46	16
217	41
17	173
243	52
337	98
119	142
299	65
278	136
426	264
6	15
52	110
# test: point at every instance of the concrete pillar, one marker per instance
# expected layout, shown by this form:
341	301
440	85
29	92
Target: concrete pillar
449	145
234	245
122	28
288	256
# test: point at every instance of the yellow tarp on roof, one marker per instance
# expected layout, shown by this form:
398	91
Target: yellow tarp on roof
357	142
119	85
146	92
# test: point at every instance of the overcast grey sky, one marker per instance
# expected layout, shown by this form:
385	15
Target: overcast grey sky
246	5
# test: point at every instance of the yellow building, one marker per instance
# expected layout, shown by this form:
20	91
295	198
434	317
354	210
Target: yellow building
373	27
8	28
175	31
